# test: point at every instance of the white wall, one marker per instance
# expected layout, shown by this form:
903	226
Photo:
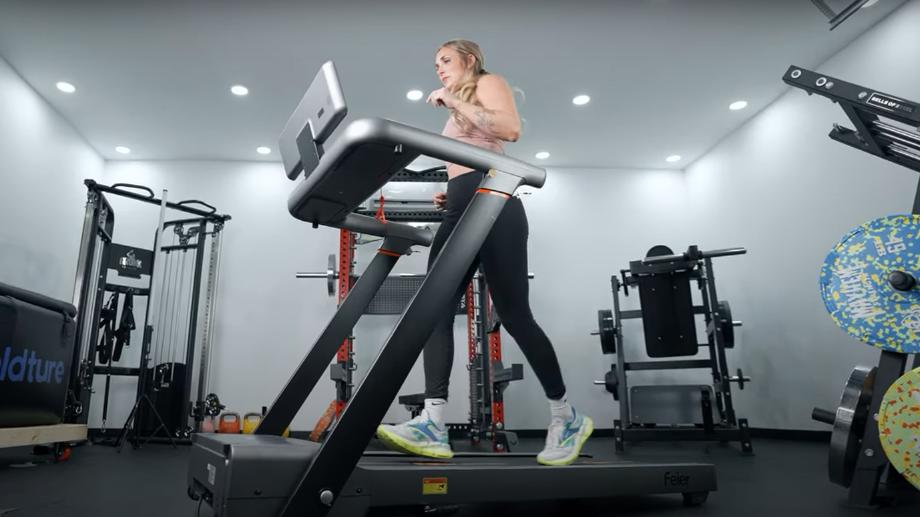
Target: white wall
41	195
783	189
267	319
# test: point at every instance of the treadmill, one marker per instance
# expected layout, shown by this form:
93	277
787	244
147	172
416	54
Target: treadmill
265	474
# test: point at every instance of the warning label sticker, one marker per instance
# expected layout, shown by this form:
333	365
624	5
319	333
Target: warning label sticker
434	486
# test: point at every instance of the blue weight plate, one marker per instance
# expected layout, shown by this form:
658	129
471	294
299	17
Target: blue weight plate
856	289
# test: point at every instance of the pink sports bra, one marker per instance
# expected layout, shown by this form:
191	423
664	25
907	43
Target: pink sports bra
473	136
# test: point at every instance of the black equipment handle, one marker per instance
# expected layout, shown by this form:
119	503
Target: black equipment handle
131	185
198	202
693	253
823	415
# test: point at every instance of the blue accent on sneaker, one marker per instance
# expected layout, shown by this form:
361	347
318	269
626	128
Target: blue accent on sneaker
571	429
425	428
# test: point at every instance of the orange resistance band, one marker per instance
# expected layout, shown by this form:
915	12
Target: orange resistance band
380	215
494	193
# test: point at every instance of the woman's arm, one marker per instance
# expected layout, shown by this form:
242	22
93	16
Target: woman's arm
498	115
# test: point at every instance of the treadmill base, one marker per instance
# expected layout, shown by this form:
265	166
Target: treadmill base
253	475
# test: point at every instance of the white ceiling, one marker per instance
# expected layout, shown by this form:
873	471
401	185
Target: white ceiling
155	76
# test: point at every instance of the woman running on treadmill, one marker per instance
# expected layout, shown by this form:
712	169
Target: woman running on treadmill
482	113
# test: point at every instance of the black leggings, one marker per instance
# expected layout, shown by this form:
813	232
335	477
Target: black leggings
503	258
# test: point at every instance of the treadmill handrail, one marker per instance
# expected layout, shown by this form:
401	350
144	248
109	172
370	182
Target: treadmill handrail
450	150
336	187
366	130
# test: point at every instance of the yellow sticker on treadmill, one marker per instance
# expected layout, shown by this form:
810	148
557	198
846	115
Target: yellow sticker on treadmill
434	486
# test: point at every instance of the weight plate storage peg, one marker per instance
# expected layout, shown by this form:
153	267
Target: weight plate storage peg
899	426
869	283
739	378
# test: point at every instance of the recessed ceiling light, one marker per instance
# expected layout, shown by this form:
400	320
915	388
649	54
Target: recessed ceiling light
123	150
66	87
263	150
414	95
542	155
673	158
737	105
239	90
581	100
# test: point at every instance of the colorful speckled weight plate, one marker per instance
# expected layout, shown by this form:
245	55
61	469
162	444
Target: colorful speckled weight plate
899	426
856	289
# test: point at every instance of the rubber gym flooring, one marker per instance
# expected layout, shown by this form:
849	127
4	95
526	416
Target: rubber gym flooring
783	478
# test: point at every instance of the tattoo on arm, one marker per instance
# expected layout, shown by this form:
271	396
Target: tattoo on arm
485	119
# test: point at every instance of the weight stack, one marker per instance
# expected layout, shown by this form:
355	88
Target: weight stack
36	351
167	399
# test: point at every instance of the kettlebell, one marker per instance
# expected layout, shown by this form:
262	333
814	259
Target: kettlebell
208	425
229	423
251	422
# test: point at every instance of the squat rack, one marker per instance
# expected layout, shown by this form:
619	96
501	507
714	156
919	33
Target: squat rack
488	376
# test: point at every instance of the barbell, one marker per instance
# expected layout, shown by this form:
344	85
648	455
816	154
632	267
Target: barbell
331	275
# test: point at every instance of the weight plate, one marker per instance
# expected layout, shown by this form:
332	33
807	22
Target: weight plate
607	331
899	426
725	323
849	425
856	290
331	275
612	383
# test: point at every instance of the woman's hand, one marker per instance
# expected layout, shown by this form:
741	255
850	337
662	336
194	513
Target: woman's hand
443	98
440	200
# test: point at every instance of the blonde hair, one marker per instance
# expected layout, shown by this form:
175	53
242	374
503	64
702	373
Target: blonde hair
465	88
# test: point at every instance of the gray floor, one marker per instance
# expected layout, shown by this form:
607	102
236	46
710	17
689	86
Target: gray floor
784	477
